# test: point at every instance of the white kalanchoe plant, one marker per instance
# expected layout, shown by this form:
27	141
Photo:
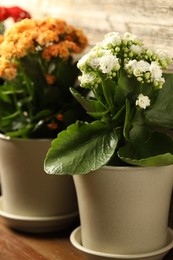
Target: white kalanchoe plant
131	101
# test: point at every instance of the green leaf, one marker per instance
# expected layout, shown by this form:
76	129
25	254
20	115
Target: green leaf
43	114
109	88
22	132
92	106
32	70
156	151
2	28
81	148
118	118
158	160
127	122
66	72
7	91
139	134
97	115
11	116
161	113
125	86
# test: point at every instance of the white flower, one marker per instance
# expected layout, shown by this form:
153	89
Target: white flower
99	60
131	37
141	66
143	101
82	62
130	65
111	39
164	58
156	71
94	62
126	51
163	54
136	49
88	79
109	63
137	68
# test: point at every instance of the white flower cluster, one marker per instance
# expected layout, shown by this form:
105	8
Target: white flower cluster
145	72
161	57
97	61
123	52
89	79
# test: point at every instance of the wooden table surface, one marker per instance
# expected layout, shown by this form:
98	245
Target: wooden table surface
15	245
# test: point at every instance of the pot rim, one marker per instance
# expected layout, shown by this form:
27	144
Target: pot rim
8	138
132	167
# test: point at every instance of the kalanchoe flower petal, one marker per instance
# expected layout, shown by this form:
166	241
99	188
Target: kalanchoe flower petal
129	37
112	39
109	63
143	101
89	80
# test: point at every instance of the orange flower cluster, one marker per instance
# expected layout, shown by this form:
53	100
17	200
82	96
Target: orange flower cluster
50	37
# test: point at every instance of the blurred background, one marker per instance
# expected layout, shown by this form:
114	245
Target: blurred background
150	19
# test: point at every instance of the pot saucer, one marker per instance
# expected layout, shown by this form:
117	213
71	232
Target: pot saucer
38	224
75	239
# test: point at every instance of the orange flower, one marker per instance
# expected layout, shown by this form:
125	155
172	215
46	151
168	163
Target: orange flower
7	69
52	126
48	38
50	79
60	117
55	50
1	38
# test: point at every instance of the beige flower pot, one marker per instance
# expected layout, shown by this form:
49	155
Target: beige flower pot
27	191
124	210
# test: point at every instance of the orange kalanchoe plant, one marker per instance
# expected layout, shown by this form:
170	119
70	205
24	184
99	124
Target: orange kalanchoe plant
38	65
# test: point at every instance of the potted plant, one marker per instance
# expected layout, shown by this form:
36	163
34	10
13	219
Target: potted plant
122	160
37	64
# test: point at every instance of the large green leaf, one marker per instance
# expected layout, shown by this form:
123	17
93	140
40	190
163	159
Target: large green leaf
81	148
161	114
159	160
156	151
